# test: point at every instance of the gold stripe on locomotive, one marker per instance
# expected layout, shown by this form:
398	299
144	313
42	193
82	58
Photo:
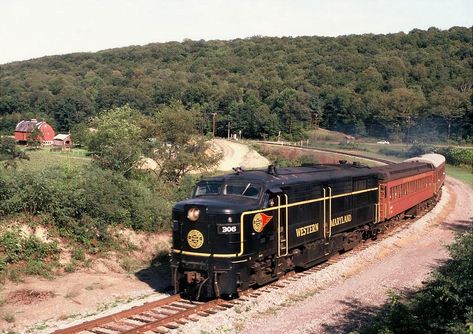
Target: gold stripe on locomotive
278	207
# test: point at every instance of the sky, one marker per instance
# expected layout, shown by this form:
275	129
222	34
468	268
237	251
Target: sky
32	28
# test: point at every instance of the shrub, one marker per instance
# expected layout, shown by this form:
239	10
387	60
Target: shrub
419	149
307	159
38	268
70	267
35	249
457	156
84	202
393	152
184	189
351	145
10	246
14	247
78	254
38	257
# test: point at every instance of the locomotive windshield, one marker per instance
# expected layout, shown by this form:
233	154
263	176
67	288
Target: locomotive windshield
245	189
208	188
242	189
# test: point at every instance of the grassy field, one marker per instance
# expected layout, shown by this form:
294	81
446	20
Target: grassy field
43	158
462	174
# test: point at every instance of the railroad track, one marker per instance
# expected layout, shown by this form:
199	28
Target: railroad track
366	157
157	317
171	312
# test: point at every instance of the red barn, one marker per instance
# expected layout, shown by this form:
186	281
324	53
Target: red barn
25	128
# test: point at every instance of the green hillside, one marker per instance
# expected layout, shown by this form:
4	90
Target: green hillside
399	86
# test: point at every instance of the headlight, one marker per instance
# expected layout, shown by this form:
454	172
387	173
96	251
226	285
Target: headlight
193	214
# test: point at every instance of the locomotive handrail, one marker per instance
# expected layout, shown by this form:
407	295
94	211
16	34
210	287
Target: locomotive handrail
355	192
279	225
287	225
325	214
330	212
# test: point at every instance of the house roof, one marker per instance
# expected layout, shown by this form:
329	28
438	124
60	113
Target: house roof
61	137
28	126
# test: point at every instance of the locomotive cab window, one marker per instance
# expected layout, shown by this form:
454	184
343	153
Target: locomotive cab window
244	189
272	201
207	188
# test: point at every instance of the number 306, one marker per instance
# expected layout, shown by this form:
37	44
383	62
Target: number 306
229	229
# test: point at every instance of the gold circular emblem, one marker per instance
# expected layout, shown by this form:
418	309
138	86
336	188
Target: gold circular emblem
195	239
258	222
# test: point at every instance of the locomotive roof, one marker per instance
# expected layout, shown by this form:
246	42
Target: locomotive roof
403	169
314	173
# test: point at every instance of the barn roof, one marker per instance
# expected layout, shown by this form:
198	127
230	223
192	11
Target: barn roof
28	126
61	137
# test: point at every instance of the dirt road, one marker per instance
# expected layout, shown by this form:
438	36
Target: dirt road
238	155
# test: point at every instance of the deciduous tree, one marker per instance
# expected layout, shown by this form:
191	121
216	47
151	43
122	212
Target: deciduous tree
116	141
400	108
450	104
180	148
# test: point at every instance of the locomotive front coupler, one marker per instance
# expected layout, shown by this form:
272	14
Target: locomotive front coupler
193	277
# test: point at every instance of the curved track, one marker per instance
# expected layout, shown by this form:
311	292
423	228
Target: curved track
365	157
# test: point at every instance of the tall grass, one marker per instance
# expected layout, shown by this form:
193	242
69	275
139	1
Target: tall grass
43	158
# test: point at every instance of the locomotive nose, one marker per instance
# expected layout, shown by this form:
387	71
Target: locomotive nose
190	228
206	230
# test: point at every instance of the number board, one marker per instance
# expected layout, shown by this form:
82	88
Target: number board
228	229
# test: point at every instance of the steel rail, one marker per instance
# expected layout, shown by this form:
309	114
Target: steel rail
311	148
174	317
118	316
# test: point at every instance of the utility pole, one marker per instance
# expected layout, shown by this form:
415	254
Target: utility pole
213	123
228	137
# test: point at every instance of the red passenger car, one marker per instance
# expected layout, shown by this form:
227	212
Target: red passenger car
438	161
409	187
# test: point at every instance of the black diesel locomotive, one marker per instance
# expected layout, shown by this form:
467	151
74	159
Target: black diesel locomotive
250	227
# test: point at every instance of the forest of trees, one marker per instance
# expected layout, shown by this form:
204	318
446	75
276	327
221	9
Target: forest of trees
415	86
